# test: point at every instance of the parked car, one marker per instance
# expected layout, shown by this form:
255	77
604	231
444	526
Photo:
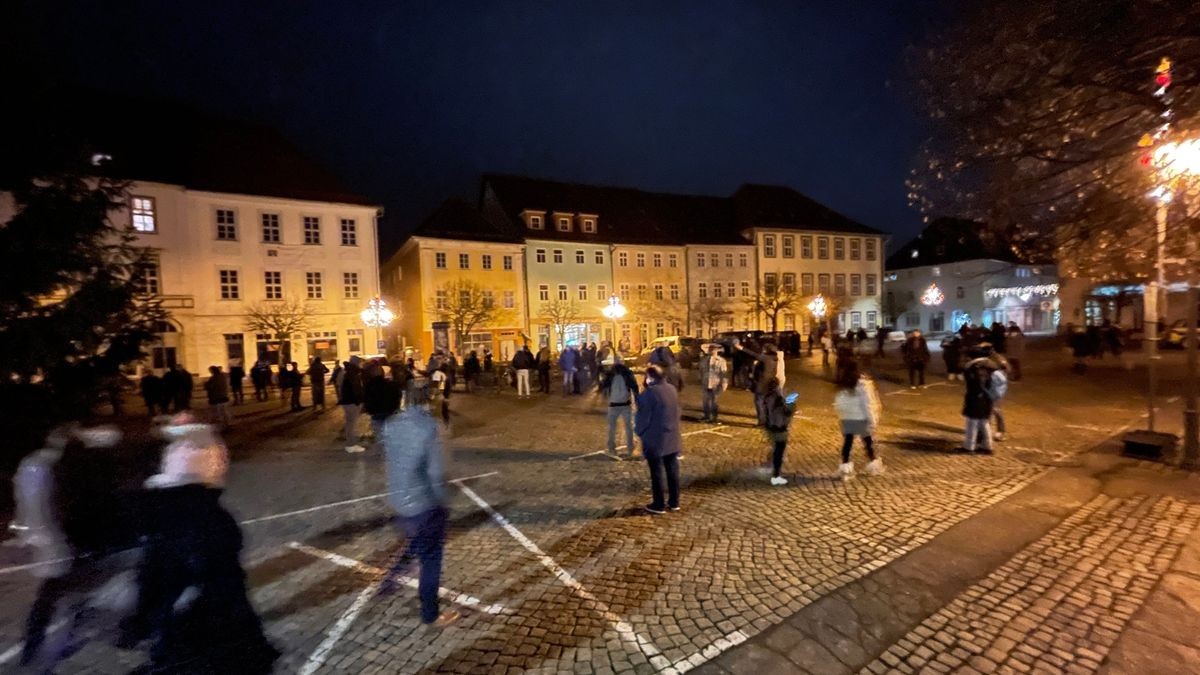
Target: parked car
685	349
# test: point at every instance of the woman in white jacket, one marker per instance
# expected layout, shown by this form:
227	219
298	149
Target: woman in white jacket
858	408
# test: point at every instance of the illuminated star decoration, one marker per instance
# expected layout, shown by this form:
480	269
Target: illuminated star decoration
932	296
817	306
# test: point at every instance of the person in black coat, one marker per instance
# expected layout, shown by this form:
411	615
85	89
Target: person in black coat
471	371
657	425
952	356
152	392
295	380
978	404
916	357
237	375
316	377
998	337
381	398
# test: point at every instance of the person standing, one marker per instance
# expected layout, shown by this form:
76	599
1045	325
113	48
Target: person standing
381	398
416	491
658	416
543	368
471	371
316	378
619	387
857	405
765	367
916	357
522	363
350	398
260	376
217	389
568	363
1016	351
779	418
714	377
336	377
952	356
297	381
151	387
237	375
977	406
880	341
826	348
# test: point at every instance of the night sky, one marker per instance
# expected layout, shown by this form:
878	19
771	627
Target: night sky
410	102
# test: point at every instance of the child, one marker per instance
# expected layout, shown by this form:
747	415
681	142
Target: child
978	405
857	406
779	412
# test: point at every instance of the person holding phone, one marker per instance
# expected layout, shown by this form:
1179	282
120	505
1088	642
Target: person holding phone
858	408
779	411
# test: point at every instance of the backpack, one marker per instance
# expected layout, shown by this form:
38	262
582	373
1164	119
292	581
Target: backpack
999	385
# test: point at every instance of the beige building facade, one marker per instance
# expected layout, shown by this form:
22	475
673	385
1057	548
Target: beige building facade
722	283
651	281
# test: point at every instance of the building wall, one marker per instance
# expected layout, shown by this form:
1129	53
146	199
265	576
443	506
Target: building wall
191	258
841	256
594	274
736	265
639	272
415	277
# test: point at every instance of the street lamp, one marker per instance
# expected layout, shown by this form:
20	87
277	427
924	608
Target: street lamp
818	307
614	311
377	315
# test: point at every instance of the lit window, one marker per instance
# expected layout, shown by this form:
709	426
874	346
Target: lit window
558	256
839	248
350	284
270	228
464	261
312	284
564	224
486	261
440	300
789	246
273	285
312	230
349	232
535	222
562	292
589	225
144	218
226	225
580	258
936	271
439	260
229	285
768	246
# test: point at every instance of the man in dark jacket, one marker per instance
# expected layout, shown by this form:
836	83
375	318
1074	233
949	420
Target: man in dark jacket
381	398
351	399
237	374
260	377
522	363
152	386
916	357
543	369
619	388
658	426
763	371
316	378
978	403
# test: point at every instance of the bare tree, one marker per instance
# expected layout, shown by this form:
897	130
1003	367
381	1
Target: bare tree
560	314
709	314
466	305
280	319
773	301
650	309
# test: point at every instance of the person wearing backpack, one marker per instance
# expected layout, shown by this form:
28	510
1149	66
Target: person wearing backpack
619	388
779	412
857	405
977	403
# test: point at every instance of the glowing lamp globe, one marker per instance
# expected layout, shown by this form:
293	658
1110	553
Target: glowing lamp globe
932	296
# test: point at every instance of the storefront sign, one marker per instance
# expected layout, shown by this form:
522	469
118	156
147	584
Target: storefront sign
1023	292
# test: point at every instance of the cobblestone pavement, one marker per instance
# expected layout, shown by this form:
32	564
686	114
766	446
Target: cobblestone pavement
557	569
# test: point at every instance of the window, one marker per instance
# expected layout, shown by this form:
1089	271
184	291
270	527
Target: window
558	256
703	289
144	218
658	291
562	292
235	347
226	225
674	291
839	284
1023	272
583	294
440	299
839	248
658	260
601	292
464	261
714	260
959	293
589	225
806	283
540	255
624	292
856	249
641	289
270	228
745	289
823	248
732	289
349	232
789	321
743	260
229	285
535	222
699	260
912	319
871	284
323	345
599	257
935	271
543	292
716	290
312	285
856	320
768	246
507	262
564	224
855	284
806	247
729	260
641	260
789	246
789	281
485	261
660	329
822	283
622	259
149	276
872	321
870	249
580	258
770	282
273	285
439	260
312	230
354	338
350	285
489	299
510	299
673	260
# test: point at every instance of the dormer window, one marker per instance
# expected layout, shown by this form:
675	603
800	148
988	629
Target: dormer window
587	222
562	221
534	220
564	224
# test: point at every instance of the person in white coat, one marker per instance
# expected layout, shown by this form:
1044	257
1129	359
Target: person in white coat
858	408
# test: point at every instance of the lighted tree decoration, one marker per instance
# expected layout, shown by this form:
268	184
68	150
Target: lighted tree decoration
933	296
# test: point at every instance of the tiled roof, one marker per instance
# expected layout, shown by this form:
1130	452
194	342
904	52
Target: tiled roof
456	219
782	207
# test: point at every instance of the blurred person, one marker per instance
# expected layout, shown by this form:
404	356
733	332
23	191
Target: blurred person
619	387
714	378
316	378
568	363
296	378
952	356
880	341
1016	350
779	417
260	377
766	366
857	405
544	358
237	375
217	390
523	362
657	424
977	403
381	398
350	398
471	370
916	357
151	388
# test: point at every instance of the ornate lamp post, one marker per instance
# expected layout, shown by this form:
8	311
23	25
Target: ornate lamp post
818	307
613	312
377	316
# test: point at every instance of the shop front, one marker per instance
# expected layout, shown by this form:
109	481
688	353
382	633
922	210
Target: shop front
1035	308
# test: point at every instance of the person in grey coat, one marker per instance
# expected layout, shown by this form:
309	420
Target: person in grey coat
657	425
417	491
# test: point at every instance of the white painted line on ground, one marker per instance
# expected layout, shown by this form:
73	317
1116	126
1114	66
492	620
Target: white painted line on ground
719	433
712	651
446	594
623	628
15	650
317	658
1085	427
594	453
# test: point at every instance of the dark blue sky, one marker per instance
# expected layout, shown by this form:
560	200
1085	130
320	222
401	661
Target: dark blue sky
410	102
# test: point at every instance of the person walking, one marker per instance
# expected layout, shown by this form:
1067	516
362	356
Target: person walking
916	357
381	398
568	363
619	387
151	387
779	417
217	389
544	358
1016	351
880	341
952	356
350	398
523	362
658	416
826	348
714	377
296	381
977	404
237	375
316	379
857	405
417	493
